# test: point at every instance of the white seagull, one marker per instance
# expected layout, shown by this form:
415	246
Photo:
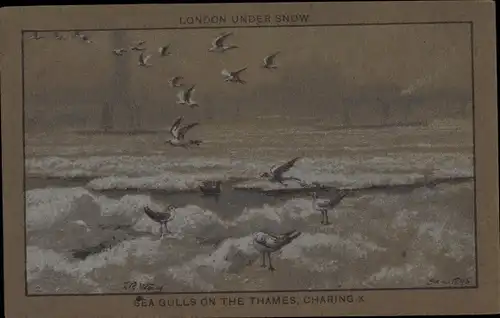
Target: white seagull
218	43
233	76
119	52
36	36
138	46
269	61
143	60
179	132
323	205
164	50
174	81
267	243
161	217
184	97
275	174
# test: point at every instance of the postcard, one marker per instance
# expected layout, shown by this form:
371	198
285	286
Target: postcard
250	160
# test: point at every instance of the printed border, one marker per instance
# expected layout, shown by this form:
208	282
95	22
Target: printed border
471	32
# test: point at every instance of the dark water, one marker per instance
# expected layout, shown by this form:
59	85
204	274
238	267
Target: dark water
230	203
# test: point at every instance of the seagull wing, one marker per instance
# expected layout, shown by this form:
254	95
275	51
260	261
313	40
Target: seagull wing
285	167
141	58
239	71
266	240
155	216
189	92
269	60
174	130
219	41
145	59
185	129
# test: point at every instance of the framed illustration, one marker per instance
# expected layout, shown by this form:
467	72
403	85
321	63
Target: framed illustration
237	160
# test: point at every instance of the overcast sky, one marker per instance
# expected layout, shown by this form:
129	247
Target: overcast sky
321	69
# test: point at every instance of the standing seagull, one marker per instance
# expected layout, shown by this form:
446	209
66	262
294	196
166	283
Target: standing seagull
218	43
233	76
161	217
267	243
174	81
184	97
323	205
119	52
275	174
143	60
164	50
138	46
179	132
269	61
36	36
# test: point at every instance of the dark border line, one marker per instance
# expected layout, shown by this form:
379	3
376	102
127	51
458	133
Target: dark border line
24	169
471	30
247	26
211	294
476	286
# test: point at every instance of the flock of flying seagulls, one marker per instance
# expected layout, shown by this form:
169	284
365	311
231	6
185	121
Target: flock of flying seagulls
264	242
184	96
58	36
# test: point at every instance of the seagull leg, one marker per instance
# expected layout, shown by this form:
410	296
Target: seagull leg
271	268
263	260
167	231
161	230
326	218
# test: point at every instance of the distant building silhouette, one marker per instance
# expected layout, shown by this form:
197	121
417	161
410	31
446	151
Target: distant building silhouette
107	117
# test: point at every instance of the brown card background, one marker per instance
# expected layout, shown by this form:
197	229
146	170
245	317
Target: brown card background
476	19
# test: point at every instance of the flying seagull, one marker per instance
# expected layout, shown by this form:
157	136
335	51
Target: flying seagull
269	61
275	174
178	133
161	217
36	36
267	243
58	36
233	76
143	60
163	50
83	37
218	43
184	97
174	81
323	205
119	52
138	46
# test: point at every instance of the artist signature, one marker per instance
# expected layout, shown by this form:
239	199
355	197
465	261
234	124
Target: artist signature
140	286
457	281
